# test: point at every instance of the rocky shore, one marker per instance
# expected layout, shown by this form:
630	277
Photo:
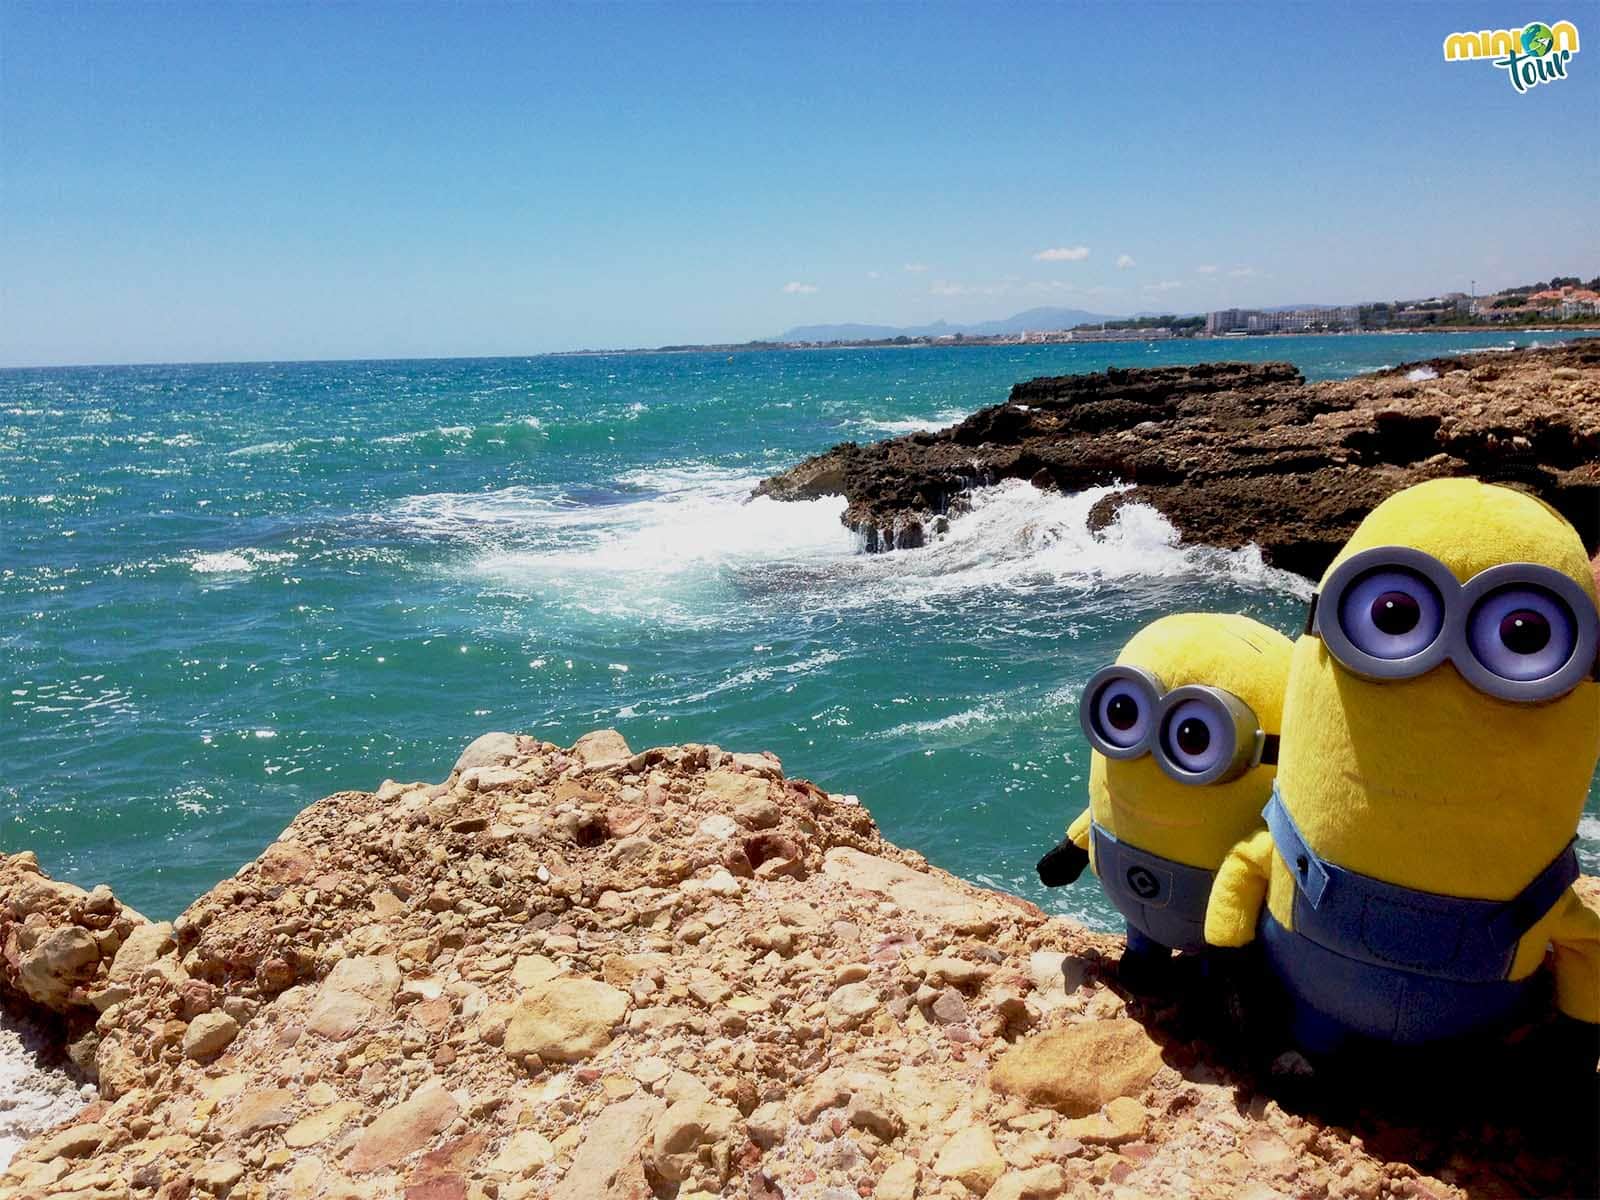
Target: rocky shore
587	973
1236	453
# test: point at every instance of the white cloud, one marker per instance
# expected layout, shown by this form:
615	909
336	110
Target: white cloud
1124	261
1208	269
873	275
946	288
915	267
1166	285
1242	272
1051	285
1063	254
796	288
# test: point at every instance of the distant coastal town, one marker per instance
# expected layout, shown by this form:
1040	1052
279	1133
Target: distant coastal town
1564	301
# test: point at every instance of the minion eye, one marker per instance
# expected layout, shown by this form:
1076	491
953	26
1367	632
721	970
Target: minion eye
1522	633
1120	714
1392	613
1195	738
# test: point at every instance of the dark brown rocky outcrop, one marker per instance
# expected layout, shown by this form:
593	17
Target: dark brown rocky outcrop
1236	453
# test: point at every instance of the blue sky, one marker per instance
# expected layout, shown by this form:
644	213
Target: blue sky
228	181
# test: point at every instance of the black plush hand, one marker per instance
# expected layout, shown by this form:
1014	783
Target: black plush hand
1063	864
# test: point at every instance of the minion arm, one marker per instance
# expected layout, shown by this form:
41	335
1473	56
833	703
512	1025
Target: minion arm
1065	862
1239	891
1576	938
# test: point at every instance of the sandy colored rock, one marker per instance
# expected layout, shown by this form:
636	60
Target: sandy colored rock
810	1033
490	750
971	1157
523	1153
565	1019
1122	1120
1040	1183
899	1180
603	745
403	1129
610	1165
691	1131
910	889
209	1034
1079	1068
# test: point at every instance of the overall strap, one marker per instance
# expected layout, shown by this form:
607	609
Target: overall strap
1310	875
1506	920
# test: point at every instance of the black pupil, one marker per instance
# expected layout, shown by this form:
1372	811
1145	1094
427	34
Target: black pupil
1193	736
1122	712
1395	613
1525	631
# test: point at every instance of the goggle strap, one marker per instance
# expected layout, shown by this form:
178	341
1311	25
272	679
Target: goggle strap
1269	750
1311	617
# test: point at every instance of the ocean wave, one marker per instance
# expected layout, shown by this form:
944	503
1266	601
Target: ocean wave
1018	539
897	426
653	541
237	562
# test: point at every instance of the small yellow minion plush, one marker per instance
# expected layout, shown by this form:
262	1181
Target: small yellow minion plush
1184	733
1440	730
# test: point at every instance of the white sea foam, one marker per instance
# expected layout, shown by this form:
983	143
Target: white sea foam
939	420
695	532
237	562
1422	373
32	1097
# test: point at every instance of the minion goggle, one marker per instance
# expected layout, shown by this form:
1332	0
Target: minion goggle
1197	734
1522	632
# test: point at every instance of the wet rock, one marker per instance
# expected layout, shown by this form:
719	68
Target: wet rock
1235	454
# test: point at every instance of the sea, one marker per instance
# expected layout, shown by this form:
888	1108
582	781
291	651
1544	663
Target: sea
228	590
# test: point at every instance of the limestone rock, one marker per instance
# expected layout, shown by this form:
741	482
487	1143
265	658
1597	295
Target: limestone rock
523	1154
609	1166
1079	1068
209	1034
691	1131
490	750
971	1157
601	746
565	1019
406	1127
899	1181
1122	1120
852	1004
1040	1183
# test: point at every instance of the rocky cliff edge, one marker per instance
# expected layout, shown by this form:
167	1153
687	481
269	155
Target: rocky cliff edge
594	974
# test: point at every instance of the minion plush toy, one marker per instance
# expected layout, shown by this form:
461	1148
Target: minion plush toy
1184	732
1440	730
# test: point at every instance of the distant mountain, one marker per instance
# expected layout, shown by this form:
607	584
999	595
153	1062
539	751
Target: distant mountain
1034	318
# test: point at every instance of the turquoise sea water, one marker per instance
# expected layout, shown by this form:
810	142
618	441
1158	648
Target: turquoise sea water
226	591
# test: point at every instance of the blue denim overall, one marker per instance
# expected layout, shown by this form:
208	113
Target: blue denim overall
1164	901
1376	960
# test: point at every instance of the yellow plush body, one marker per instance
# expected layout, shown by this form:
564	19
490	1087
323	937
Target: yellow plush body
1138	803
1427	783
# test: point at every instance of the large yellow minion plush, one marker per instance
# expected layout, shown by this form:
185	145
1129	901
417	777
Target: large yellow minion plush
1184	730
1440	730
